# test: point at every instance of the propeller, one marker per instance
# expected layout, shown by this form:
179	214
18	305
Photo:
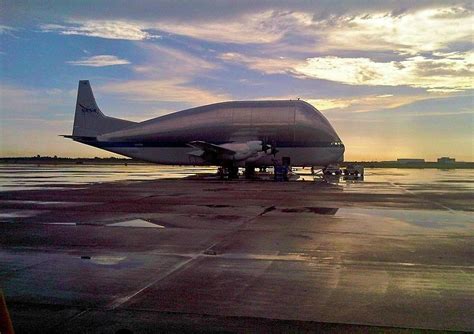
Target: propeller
269	149
274	151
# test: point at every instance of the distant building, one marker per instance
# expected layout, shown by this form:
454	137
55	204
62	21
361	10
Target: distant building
410	161
446	160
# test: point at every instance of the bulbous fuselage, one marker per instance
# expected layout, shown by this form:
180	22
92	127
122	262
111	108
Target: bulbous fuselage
297	129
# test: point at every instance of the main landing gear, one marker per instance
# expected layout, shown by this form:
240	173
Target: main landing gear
249	172
228	172
232	172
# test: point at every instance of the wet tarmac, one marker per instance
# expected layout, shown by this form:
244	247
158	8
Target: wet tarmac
155	249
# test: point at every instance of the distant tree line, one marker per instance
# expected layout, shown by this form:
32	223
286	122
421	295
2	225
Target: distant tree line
55	159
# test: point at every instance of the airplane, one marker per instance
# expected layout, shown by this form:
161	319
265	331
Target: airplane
231	134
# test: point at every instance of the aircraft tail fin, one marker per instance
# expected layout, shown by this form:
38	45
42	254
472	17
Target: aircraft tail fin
89	121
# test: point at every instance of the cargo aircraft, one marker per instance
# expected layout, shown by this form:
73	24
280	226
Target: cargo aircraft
232	134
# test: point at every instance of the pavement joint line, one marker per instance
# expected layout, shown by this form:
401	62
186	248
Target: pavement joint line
123	300
120	301
423	198
71	318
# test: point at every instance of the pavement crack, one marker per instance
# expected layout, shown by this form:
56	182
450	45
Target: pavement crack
420	196
270	208
67	320
122	300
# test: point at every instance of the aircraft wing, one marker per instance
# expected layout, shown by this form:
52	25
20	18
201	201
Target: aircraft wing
210	148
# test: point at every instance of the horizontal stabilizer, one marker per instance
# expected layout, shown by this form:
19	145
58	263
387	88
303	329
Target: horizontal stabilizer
80	138
211	148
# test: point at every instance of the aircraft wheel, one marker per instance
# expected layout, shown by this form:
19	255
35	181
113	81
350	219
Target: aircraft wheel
249	172
233	172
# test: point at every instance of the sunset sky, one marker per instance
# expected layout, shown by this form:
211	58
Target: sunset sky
395	78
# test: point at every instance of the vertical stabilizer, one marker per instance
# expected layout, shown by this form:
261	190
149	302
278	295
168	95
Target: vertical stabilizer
89	121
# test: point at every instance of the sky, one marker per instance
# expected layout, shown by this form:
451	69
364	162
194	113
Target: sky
394	78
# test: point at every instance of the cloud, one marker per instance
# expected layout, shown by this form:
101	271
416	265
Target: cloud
167	75
328	104
20	102
367	103
392	27
440	75
103	29
450	74
208	9
6	29
99	61
261	27
358	104
266	65
164	90
162	61
409	33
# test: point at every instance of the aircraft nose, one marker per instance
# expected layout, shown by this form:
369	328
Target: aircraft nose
333	135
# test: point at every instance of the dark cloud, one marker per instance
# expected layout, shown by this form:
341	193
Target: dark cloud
437	69
33	12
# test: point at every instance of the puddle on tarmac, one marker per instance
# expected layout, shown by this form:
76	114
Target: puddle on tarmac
136	223
107	260
421	218
316	210
67	224
59	203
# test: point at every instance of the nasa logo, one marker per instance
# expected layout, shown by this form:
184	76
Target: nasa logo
85	109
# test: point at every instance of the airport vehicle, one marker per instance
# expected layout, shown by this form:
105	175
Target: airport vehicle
354	170
332	169
229	134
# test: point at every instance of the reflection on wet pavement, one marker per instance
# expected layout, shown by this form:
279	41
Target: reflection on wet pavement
23	177
107	260
136	223
316	210
65	224
18	213
421	218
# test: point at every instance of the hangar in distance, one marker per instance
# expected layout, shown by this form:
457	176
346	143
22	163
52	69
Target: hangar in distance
230	134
